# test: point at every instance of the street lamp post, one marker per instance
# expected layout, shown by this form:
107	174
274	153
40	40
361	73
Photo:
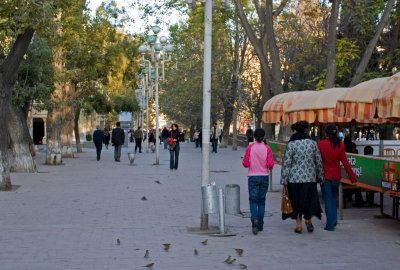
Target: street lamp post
205	176
158	51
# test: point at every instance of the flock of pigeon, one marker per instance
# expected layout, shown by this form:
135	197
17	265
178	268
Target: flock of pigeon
167	246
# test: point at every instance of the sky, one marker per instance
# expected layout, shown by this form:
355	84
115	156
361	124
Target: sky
138	26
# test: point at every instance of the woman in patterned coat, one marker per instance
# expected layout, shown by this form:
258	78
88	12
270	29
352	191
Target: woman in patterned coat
302	169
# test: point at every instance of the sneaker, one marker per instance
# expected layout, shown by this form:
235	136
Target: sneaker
260	229
254	226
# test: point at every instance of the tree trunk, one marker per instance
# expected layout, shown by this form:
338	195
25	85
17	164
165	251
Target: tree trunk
21	142
331	46
76	130
276	74
227	123
191	132
371	45
235	114
234	135
67	129
8	77
266	95
394	33
53	151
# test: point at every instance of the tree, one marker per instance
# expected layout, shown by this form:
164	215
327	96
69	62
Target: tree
262	38
19	20
189	58
331	46
34	83
371	45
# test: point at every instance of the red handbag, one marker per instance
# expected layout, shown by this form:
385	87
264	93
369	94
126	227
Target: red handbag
170	141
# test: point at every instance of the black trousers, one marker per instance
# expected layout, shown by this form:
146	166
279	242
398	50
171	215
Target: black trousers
214	145
138	144
98	150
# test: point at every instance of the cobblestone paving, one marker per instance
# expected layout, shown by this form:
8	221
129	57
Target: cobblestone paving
70	217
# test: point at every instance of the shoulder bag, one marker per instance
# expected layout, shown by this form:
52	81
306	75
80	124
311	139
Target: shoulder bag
286	206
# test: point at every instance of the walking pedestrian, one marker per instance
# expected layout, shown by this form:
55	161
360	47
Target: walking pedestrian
196	138
214	134
106	137
131	137
258	158
249	135
174	147
138	134
302	168
333	152
201	138
117	140
165	135
98	139
152	136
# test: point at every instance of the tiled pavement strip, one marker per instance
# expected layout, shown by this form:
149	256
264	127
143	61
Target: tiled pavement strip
70	216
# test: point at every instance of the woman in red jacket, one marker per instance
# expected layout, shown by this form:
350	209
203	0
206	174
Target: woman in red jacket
332	152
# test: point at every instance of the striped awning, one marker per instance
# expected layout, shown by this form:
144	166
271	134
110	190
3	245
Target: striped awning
357	102
275	108
386	103
319	106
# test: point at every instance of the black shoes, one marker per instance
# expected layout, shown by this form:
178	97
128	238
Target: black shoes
254	225
310	227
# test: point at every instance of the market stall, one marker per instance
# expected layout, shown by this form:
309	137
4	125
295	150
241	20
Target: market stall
376	101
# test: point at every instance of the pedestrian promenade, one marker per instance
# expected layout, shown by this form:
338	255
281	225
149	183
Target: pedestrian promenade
70	217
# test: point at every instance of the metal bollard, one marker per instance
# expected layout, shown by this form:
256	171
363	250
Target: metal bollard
221	211
232	199
209	198
270	181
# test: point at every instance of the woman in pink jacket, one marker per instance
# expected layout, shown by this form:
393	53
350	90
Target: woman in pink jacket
259	160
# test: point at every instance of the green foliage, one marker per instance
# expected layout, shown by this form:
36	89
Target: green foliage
35	76
347	51
347	54
186	80
89	137
125	103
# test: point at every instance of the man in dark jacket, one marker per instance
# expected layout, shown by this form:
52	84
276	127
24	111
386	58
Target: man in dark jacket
98	139
249	135
165	135
117	139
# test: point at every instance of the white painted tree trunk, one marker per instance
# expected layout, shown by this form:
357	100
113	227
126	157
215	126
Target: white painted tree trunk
67	130
53	151
21	142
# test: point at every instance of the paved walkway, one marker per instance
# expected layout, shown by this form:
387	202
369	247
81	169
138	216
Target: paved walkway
70	217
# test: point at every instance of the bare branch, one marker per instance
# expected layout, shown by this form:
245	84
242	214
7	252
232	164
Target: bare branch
278	11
